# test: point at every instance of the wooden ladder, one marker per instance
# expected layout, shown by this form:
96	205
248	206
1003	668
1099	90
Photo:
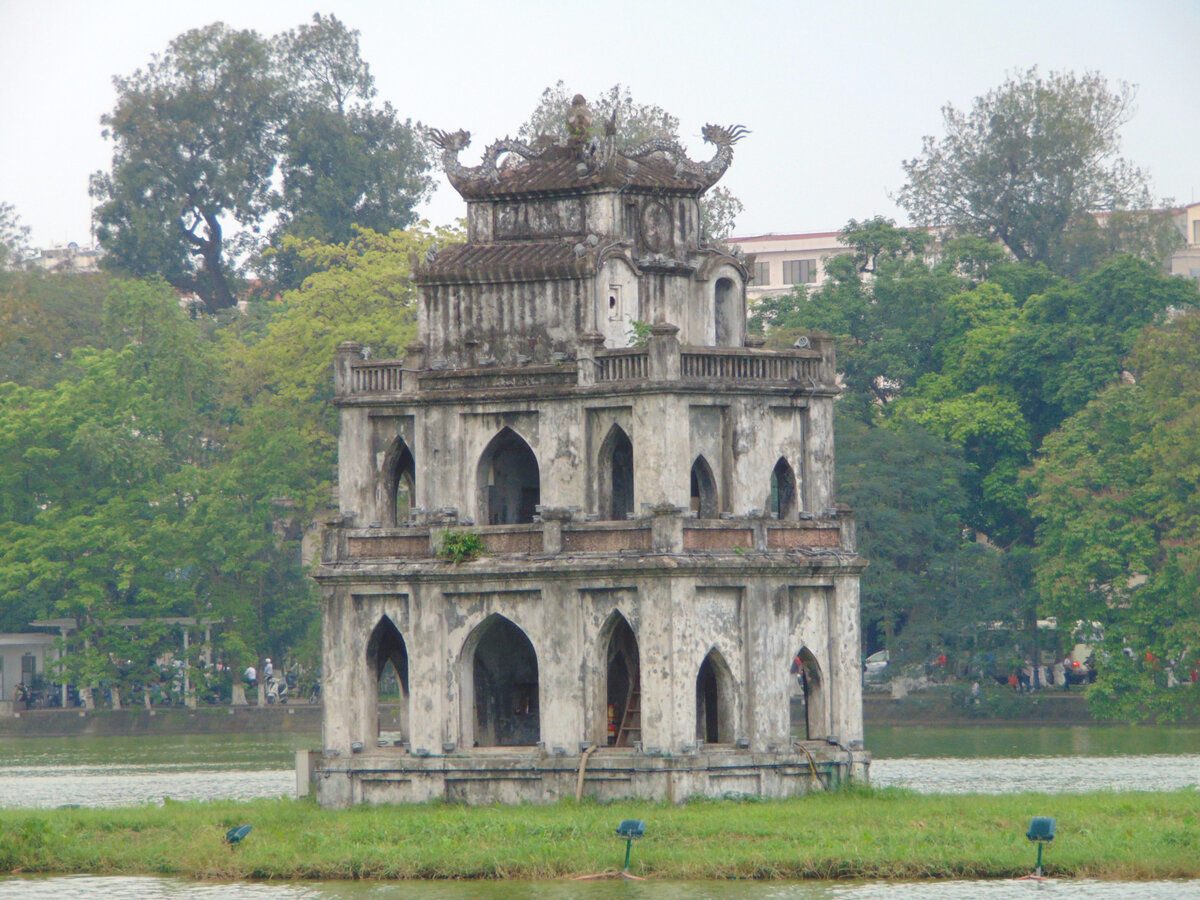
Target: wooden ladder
631	721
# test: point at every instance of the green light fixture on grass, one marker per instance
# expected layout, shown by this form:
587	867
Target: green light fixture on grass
631	830
1041	830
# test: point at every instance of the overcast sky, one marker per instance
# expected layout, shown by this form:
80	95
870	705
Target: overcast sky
836	93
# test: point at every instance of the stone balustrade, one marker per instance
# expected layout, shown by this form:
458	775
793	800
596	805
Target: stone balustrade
810	368
666	530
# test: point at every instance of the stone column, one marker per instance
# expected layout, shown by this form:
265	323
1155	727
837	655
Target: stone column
667	528
414	363
664	352
552	524
845	688
348	352
590	342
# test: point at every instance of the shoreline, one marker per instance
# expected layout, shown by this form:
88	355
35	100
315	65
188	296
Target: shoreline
930	708
851	833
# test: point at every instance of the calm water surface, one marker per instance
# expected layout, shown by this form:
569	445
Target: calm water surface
111	771
96	888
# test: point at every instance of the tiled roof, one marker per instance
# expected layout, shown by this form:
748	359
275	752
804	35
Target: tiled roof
506	261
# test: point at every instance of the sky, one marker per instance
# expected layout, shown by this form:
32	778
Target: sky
836	94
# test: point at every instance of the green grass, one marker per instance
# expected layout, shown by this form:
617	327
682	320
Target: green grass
888	834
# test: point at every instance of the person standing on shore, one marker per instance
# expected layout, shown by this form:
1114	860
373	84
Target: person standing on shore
250	676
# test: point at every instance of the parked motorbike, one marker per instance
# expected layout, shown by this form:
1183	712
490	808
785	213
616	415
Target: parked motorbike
277	690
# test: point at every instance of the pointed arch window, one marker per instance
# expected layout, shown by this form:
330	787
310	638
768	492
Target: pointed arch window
810	686
616	475
703	489
623	690
782	501
503	703
714	700
403	483
387	656
510	484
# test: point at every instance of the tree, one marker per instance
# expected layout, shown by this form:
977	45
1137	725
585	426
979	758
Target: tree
1116	494
44	317
195	137
205	135
13	236
1030	161
636	123
96	480
344	162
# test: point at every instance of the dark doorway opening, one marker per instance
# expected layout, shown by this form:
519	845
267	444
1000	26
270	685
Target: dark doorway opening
388	657
714	693
807	675
403	482
616	475
505	673
704	489
509	479
782	503
624	688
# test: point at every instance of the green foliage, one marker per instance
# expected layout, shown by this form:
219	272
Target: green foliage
1115	492
459	546
1027	166
44	318
636	122
639	333
195	140
207	131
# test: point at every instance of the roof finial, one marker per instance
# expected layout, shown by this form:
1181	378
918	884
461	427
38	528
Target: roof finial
579	121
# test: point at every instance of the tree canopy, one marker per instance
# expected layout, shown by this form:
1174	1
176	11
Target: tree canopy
1028	163
962	371
206	133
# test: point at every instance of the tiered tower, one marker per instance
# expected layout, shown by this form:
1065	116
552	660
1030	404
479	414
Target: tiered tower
662	567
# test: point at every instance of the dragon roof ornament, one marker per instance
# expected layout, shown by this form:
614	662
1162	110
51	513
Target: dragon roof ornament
593	157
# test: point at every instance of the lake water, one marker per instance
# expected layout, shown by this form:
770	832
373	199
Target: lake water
112	771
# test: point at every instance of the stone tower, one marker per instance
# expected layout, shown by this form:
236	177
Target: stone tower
661	566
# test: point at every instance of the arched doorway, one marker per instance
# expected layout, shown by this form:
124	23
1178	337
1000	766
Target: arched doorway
623	691
704	489
509	482
402	483
723	311
616	475
714	700
503	701
387	657
782	502
809	686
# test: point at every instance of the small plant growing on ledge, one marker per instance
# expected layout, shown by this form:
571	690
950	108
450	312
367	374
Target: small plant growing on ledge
459	546
639	333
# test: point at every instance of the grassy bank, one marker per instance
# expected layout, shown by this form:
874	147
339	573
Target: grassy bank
881	834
